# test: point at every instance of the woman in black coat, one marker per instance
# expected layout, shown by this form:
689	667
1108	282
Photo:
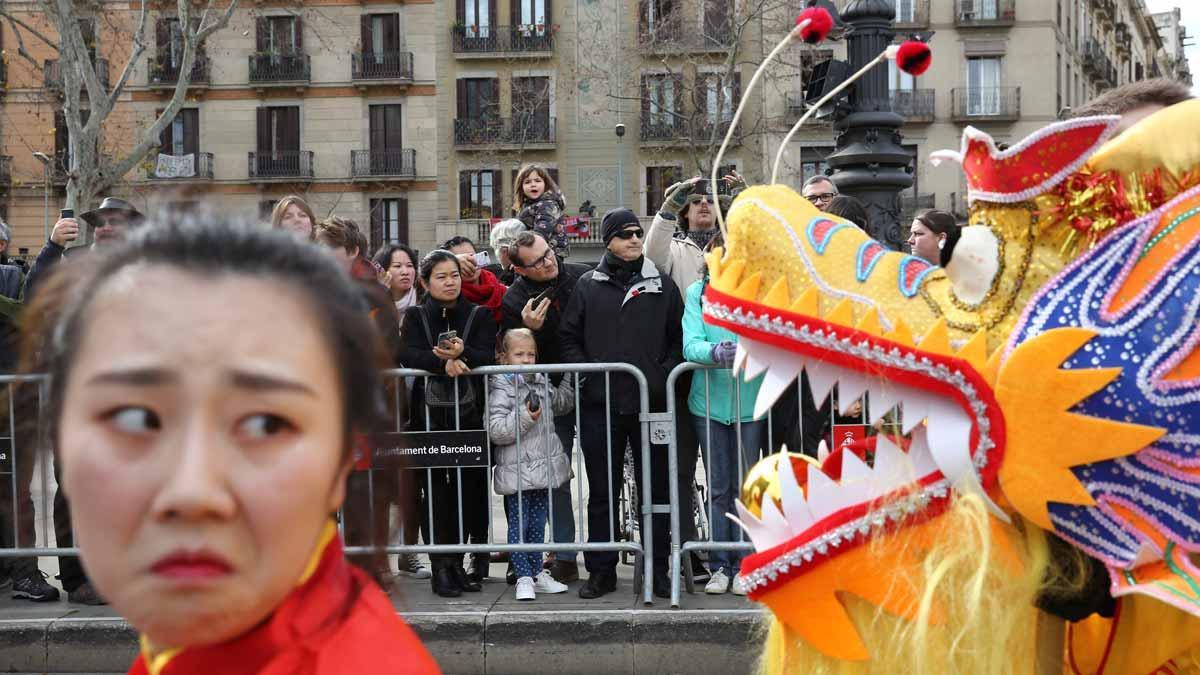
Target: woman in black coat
428	347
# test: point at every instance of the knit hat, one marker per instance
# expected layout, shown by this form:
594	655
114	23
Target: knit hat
617	220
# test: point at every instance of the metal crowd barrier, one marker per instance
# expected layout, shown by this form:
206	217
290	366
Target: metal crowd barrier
681	550
643	550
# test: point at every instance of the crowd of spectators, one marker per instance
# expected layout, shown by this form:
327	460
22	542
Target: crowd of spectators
517	302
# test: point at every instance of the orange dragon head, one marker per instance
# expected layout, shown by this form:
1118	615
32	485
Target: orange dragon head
1049	371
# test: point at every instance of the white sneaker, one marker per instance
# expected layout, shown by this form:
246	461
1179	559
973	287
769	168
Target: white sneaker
548	584
718	584
739	585
525	589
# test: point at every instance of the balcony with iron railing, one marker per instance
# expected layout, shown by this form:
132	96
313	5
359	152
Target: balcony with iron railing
1124	39
984	104
281	165
201	168
706	129
912	14
53	76
1104	11
528	40
522	131
368	164
165	73
594	236
381	67
277	69
916	106
984	13
662	129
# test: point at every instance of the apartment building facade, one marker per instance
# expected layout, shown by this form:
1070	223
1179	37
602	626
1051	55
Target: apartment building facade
334	101
1008	67
413	118
549	82
1174	37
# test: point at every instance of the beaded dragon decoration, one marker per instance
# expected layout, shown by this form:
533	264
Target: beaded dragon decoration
1050	371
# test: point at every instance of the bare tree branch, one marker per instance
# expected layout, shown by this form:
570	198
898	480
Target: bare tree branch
192	39
139	47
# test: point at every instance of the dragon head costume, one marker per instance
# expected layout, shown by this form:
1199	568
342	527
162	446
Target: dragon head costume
1047	383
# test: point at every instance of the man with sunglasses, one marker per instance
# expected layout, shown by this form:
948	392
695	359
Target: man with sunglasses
536	300
624	311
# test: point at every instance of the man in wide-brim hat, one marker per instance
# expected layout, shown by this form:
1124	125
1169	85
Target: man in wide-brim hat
109	222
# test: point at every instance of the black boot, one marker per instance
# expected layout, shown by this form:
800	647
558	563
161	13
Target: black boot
480	564
598	585
464	580
444	582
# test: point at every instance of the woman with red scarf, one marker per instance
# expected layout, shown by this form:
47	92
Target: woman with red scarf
479	286
205	459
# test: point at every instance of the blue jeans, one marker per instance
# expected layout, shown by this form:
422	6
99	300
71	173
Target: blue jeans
564	516
720	445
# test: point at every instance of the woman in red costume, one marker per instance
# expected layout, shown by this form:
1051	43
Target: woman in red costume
206	382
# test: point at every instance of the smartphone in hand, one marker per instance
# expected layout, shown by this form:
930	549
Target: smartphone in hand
548	293
482	259
443	339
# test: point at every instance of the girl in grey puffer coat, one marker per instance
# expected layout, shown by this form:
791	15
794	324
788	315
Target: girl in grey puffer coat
528	455
539	461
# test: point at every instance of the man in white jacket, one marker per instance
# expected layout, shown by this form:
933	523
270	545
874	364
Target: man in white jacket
690	205
680	255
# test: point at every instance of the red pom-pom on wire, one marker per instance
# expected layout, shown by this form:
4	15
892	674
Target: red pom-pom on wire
818	28
914	57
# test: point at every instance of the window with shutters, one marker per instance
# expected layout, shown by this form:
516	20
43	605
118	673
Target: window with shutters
658	179
718	22
983	86
387	141
278	143
662	108
478	102
479	194
281	35
531	108
717	97
658	21
389	222
182	135
279	47
383	53
477	16
169	55
62	141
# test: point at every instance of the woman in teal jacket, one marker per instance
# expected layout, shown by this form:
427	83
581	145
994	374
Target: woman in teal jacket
720	405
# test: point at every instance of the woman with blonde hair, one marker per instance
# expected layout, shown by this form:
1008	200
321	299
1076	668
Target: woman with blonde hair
294	214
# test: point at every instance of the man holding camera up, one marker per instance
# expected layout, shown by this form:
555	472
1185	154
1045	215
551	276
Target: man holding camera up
536	301
106	225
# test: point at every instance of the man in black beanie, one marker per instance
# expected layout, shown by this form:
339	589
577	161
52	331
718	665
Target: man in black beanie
622	311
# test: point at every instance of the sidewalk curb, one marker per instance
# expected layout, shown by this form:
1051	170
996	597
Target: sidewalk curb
498	642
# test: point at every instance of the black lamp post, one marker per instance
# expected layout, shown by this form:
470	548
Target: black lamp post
870	163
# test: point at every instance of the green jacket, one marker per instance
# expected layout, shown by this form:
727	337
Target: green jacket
698	340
